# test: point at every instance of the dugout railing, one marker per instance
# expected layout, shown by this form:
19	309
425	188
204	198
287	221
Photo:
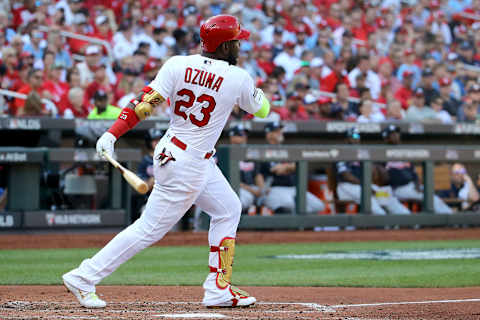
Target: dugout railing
427	155
328	136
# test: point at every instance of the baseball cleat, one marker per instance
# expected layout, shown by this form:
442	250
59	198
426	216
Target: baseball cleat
86	299
243	302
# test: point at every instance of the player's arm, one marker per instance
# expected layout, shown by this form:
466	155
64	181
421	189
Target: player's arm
252	99
264	108
142	106
347	176
137	109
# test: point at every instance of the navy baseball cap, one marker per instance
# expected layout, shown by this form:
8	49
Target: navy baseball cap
353	133
272	126
100	95
155	133
389	129
237	131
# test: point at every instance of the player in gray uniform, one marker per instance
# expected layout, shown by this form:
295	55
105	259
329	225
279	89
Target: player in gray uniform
279	179
249	190
403	178
349	188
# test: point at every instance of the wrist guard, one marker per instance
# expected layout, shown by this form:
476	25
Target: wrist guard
125	121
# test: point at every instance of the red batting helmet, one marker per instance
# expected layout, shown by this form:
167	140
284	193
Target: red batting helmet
219	29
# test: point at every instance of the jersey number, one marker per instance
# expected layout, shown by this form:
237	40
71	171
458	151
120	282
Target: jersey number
189	103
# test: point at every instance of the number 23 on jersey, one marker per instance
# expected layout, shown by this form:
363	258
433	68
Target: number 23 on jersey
204	99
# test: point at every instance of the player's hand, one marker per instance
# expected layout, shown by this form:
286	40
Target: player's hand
106	143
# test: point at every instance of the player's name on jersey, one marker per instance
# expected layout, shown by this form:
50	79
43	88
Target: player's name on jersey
203	78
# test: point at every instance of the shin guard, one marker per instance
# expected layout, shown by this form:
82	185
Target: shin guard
224	268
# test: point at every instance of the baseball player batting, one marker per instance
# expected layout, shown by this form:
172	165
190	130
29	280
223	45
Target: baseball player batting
203	90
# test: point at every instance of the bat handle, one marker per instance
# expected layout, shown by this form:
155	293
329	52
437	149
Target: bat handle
114	162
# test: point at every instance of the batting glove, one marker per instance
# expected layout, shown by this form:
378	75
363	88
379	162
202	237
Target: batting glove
105	144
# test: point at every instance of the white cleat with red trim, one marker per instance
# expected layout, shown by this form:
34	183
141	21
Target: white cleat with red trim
239	299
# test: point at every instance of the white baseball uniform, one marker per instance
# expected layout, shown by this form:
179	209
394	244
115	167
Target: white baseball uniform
202	92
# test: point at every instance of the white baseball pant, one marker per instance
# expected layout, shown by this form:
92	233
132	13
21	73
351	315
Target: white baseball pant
189	179
284	197
384	197
352	192
408	191
246	197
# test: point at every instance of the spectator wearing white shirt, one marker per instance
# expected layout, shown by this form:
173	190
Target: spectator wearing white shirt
158	49
440	26
123	41
250	12
288	60
372	80
137	86
92	61
367	114
442	115
462	186
395	111
418	111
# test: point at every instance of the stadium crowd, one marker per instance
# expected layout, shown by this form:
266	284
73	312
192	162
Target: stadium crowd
364	61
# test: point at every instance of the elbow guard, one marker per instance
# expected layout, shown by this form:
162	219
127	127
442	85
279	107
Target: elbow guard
264	109
148	100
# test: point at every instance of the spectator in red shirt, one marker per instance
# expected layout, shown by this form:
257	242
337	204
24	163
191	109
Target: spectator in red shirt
24	14
26	59
359	32
294	109
80	26
264	59
465	15
54	88
22	79
102	29
334	19
150	69
385	72
325	110
404	93
77	106
100	82
34	84
332	73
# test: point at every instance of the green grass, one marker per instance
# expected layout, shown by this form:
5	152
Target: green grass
188	266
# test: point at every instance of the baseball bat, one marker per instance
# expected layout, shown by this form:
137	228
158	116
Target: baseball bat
138	184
